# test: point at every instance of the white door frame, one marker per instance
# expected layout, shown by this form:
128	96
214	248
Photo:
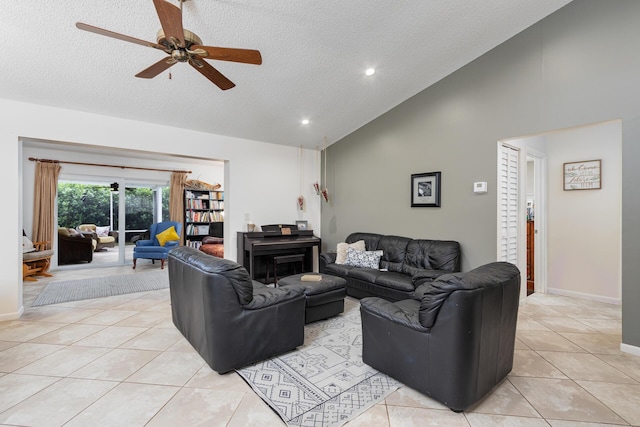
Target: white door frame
540	218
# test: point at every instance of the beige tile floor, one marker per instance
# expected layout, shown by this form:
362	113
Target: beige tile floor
120	361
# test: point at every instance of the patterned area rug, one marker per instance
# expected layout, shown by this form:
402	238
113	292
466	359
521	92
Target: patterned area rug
324	382
97	287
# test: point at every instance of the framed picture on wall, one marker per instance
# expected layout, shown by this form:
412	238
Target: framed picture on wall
585	175
425	190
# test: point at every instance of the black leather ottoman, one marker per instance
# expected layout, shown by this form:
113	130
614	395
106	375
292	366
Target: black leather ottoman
325	298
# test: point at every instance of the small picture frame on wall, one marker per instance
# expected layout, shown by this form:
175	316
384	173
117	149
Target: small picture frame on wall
584	175
302	225
425	190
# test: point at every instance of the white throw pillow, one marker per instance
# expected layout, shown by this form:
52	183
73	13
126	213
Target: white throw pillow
27	245
342	250
102	231
367	259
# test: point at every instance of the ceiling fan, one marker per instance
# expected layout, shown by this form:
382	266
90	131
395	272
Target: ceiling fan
182	46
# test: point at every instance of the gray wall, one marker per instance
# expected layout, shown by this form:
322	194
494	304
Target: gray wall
580	65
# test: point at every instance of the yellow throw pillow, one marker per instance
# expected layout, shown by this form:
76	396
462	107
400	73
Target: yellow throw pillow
167	235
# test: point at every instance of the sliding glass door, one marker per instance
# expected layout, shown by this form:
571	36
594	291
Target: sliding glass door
114	218
85	208
144	204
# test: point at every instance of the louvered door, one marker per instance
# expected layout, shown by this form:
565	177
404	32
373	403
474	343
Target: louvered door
508	206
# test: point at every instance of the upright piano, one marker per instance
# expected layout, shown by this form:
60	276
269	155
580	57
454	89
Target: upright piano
255	248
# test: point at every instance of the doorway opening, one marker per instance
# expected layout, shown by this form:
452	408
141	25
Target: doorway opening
535	201
93	209
556	228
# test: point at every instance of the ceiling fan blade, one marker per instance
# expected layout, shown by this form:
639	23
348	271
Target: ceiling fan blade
157	68
212	74
246	56
171	21
103	32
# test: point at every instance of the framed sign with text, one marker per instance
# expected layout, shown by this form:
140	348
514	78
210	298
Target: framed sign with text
585	175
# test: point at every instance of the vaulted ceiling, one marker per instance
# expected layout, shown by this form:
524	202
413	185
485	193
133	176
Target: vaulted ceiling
314	59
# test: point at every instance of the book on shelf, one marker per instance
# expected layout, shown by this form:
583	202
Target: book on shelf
194	243
198	229
197	204
213	195
204	216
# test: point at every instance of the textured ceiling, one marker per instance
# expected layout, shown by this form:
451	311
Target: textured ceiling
314	58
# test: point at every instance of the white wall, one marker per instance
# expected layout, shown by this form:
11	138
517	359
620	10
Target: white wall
584	229
260	179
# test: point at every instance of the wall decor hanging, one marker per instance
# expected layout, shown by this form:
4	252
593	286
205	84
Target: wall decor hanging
585	175
325	190
425	190
301	170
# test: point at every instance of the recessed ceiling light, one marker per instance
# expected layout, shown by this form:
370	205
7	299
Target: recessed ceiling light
305	122
370	71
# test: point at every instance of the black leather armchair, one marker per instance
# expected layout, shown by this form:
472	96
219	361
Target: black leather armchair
73	247
455	343
229	319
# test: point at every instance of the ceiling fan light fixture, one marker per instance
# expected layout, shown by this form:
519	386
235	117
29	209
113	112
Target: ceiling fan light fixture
179	55
190	39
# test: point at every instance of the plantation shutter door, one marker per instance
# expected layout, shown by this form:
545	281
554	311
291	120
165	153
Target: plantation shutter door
508	184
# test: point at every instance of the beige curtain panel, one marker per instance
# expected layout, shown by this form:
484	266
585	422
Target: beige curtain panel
176	198
45	190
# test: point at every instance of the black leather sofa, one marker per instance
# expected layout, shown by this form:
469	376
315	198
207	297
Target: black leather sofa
408	263
229	319
455	342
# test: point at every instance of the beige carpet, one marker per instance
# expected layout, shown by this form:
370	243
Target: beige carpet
97	287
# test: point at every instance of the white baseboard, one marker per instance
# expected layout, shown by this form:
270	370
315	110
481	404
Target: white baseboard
12	316
632	349
582	295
